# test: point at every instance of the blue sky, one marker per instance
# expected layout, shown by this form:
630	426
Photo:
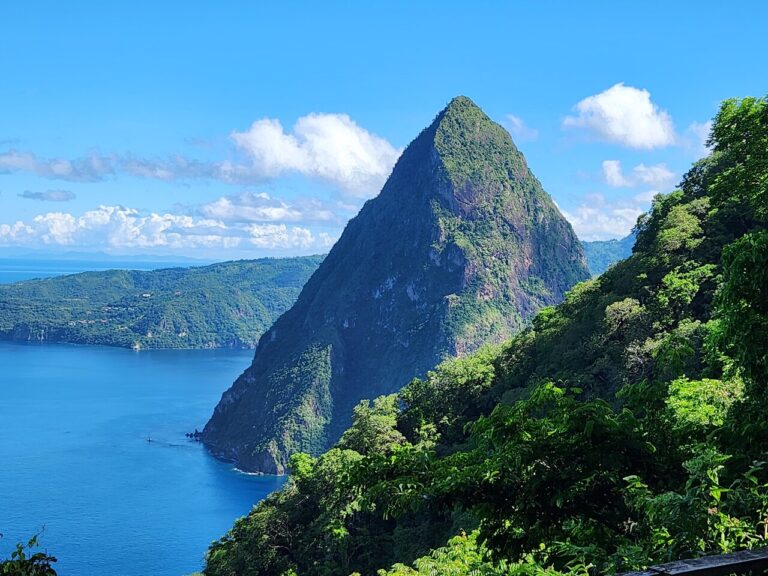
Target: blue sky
239	129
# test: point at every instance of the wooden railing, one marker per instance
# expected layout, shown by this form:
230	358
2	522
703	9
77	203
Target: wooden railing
746	562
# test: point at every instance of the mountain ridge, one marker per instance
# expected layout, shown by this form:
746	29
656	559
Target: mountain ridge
601	254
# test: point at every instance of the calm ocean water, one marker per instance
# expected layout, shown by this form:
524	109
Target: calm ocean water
74	457
16	269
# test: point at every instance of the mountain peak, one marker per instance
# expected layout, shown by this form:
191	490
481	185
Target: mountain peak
460	103
463	156
461	113
462	151
461	248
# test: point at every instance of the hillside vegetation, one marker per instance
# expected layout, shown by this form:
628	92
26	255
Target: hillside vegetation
626	427
226	305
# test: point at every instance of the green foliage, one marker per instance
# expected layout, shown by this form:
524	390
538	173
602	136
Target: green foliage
23	562
462	556
743	302
624	428
740	138
681	231
680	286
223	305
703	516
374	427
447	398
702	403
530	478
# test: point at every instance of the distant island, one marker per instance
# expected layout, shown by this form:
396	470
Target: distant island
224	305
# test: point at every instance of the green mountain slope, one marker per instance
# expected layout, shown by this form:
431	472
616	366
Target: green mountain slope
461	247
600	254
624	428
229	305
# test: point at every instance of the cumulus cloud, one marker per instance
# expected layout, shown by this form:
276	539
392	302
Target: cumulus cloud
49	195
613	175
519	129
261	207
329	147
624	115
93	168
646	197
280	236
655	175
698	134
118	227
598	218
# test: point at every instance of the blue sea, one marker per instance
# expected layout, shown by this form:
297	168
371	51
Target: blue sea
17	269
76	463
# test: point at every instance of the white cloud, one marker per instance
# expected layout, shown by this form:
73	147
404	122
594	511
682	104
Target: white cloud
280	236
18	230
120	228
598	218
646	197
613	174
698	133
656	175
261	207
624	115
329	147
326	240
272	150
519	129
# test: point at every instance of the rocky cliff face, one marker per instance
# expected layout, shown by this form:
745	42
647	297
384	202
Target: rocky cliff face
460	248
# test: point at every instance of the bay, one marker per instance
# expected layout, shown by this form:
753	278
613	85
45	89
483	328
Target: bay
75	457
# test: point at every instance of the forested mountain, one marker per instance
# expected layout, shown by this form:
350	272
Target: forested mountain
228	305
461	247
625	427
602	253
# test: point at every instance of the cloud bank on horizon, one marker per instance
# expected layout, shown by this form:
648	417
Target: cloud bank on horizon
349	160
121	229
